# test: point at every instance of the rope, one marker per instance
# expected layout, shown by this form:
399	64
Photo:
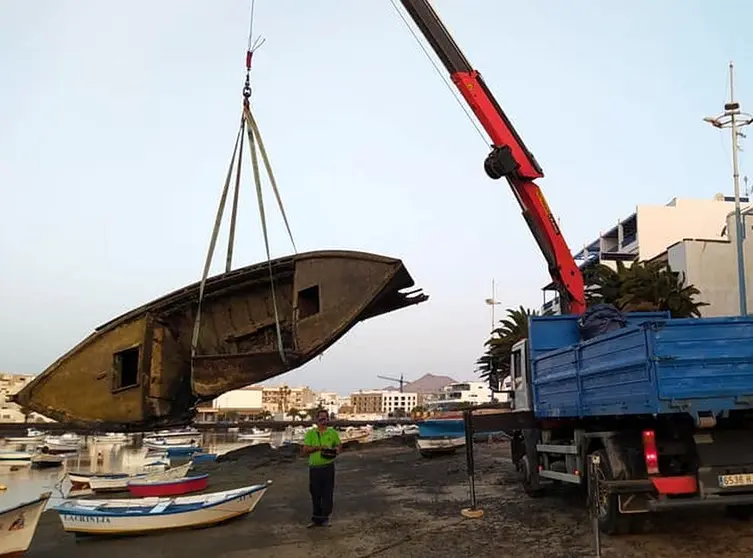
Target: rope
443	76
234	214
268	167
212	245
262	216
248	123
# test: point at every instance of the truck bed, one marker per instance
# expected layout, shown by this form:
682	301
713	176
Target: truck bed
653	366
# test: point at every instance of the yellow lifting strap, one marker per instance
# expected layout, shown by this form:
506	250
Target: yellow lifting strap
249	125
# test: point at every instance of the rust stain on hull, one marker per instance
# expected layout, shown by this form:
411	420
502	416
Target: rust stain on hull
135	372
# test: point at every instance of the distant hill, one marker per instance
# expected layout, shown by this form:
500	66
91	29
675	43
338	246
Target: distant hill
428	383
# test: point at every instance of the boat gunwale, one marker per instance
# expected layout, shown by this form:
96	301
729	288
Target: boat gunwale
229	279
43	497
145	511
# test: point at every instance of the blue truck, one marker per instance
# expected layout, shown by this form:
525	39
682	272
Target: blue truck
662	408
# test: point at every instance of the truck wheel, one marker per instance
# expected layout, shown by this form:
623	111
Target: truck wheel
524	475
605	505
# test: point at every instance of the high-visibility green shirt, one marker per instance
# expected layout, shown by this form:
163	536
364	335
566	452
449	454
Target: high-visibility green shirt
327	439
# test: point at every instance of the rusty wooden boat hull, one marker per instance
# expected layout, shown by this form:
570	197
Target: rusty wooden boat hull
136	371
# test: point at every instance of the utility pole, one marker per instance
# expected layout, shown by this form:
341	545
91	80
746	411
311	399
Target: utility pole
734	119
493	302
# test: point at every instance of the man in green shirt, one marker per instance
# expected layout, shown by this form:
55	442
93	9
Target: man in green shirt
321	444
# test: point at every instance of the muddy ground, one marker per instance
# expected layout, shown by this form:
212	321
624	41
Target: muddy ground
391	503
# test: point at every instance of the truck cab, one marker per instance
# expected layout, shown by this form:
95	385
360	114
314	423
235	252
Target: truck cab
521	394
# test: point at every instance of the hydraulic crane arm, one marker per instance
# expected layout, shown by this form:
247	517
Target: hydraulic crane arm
509	157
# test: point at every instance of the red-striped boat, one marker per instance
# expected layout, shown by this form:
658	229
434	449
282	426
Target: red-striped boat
172	487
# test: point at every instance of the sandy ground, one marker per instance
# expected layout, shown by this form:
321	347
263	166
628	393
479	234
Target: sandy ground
391	503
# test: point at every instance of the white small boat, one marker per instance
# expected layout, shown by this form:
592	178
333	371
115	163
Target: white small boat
410	430
182	436
80	479
163	443
19	524
31	437
255	434
118	482
14	456
67	443
44	460
145	515
435	446
112	438
354	435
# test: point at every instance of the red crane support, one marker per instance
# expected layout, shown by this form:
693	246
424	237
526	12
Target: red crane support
509	157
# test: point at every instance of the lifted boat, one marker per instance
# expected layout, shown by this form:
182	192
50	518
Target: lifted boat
137	371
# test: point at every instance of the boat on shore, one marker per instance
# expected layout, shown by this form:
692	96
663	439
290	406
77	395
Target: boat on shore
139	371
429	447
354	435
80	479
19	523
118	482
149	515
145	488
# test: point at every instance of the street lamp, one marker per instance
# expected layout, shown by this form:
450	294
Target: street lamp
493	302
734	119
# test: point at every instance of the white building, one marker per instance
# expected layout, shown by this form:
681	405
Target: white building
649	231
711	266
394	400
328	400
382	402
248	398
461	394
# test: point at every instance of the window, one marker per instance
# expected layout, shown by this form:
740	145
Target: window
517	365
126	365
308	302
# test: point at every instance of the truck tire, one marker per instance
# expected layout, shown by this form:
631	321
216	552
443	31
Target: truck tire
524	474
606	506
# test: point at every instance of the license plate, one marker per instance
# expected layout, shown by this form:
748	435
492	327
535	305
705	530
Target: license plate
729	481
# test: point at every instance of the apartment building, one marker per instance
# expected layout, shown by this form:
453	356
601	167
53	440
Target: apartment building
382	402
11	384
650	230
279	399
711	266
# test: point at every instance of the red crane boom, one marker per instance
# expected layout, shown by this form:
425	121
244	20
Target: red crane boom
509	158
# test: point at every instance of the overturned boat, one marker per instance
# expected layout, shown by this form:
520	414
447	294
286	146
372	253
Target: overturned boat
137	371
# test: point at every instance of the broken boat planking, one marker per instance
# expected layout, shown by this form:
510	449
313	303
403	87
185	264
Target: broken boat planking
134	372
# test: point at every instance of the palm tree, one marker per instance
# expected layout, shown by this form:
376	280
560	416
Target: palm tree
494	364
643	287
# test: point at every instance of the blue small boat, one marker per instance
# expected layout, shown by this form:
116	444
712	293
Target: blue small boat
441	428
199	457
181	450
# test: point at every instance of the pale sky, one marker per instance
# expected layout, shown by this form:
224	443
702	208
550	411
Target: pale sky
117	121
